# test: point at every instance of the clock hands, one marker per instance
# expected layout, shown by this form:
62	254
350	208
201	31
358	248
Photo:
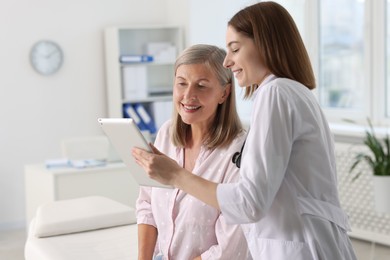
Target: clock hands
51	54
46	57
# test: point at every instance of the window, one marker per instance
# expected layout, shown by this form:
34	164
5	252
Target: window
349	44
341	74
387	68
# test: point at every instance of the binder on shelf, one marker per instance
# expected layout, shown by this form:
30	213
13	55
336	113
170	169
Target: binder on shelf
162	111
135	58
145	117
134	82
129	112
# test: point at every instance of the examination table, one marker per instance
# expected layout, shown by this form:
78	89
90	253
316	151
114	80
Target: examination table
90	228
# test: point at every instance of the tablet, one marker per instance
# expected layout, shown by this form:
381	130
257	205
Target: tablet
124	134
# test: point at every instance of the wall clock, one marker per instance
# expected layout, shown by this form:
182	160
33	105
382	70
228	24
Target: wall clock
46	57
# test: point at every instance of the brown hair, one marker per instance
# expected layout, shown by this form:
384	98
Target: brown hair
226	125
279	43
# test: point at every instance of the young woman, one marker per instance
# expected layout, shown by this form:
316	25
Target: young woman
202	137
286	199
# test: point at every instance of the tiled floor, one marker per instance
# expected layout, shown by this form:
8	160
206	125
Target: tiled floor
12	244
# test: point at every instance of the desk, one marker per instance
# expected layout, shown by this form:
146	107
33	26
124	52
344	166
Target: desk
44	185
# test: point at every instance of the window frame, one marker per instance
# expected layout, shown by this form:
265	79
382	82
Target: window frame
374	60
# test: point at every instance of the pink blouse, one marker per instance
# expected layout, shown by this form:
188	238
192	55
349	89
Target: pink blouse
187	227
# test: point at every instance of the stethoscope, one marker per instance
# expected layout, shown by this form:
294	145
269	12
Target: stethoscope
236	159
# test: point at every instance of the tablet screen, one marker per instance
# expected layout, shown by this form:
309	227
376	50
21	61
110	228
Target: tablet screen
124	134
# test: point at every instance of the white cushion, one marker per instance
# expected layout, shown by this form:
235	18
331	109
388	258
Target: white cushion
82	214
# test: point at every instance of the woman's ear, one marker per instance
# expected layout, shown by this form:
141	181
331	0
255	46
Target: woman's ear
226	93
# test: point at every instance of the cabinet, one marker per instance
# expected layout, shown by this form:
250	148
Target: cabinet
44	185
148	83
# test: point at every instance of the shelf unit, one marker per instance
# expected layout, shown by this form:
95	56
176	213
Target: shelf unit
157	76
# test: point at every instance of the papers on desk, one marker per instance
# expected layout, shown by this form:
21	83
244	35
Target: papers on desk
87	163
57	163
65	163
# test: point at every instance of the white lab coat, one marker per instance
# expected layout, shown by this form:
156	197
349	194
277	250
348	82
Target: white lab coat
287	199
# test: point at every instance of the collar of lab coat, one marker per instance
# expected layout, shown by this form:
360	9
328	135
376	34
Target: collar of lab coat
267	80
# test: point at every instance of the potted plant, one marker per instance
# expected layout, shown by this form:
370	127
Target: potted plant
378	159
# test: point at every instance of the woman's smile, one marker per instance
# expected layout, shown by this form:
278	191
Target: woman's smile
190	108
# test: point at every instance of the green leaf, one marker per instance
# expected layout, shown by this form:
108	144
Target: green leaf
378	158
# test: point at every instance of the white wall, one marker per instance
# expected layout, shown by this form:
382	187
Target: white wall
37	112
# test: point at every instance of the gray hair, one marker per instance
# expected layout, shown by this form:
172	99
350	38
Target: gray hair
226	125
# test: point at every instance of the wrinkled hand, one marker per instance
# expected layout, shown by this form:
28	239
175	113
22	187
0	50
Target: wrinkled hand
157	165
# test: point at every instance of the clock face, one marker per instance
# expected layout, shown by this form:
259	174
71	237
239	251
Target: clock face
46	57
